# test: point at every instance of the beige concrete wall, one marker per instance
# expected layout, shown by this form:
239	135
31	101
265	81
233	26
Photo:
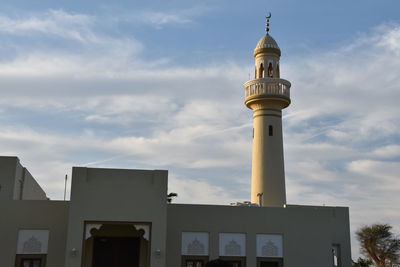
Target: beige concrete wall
107	195
7	177
31	188
35	214
17	183
308	232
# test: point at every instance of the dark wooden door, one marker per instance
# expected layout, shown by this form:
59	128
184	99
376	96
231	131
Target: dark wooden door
116	252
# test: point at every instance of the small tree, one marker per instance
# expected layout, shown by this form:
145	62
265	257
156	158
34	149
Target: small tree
379	244
362	263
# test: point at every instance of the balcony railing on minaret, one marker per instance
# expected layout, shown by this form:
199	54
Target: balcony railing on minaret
265	87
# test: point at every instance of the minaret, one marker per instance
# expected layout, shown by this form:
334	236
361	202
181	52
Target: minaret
267	95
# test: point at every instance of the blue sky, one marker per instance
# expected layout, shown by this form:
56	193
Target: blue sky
158	85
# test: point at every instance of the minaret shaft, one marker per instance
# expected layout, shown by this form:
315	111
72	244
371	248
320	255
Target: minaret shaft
268	174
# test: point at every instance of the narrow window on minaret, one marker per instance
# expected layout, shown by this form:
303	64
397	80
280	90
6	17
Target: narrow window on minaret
261	71
277	70
270	70
270	130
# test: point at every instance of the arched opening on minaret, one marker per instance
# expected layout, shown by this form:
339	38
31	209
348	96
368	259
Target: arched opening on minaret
270	70
270	130
277	71
255	72
261	71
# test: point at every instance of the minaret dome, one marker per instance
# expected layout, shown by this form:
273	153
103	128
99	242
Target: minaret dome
267	54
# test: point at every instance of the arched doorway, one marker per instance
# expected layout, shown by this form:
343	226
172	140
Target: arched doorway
116	245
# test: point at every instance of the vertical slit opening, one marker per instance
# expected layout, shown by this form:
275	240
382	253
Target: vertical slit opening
270	71
261	71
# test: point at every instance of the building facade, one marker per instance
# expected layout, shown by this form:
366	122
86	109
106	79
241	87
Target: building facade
121	217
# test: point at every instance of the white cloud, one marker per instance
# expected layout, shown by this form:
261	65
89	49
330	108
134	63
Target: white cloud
193	191
391	39
52	22
389	151
59	44
159	18
386	174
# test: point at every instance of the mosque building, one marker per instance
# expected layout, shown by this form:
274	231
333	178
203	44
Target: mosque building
121	217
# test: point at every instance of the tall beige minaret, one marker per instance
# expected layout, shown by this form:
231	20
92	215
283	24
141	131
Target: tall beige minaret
267	94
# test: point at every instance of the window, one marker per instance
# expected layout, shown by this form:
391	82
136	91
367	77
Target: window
194	263
30	260
261	71
194	249
336	255
32	248
270	130
270	70
269	250
31	263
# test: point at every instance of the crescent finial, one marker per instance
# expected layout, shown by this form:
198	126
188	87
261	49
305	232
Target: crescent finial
267	24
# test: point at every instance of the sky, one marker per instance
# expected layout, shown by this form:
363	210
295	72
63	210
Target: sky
159	85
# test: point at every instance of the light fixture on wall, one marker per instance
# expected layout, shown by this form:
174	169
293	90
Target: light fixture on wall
157	252
74	252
